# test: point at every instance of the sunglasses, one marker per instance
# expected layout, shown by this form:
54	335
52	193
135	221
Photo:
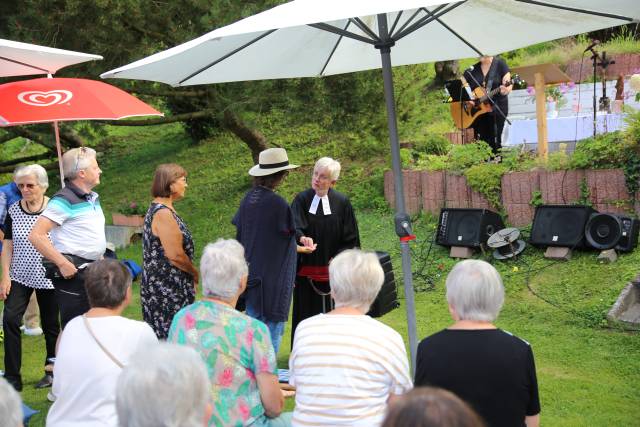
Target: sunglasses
29	186
80	155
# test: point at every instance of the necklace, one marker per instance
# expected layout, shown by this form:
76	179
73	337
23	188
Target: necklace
26	206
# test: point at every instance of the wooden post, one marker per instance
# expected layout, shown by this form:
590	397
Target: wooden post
541	115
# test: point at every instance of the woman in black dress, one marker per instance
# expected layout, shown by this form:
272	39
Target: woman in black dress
169	277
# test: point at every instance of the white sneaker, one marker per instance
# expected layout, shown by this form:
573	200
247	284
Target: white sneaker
51	397
33	331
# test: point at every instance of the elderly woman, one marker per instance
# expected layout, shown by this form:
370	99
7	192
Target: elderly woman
23	274
164	386
345	365
490	369
93	350
236	348
325	226
169	277
264	226
431	407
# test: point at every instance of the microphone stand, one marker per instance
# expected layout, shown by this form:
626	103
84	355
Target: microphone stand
604	63
493	104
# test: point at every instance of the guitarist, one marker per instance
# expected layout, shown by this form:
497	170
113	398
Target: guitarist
491	73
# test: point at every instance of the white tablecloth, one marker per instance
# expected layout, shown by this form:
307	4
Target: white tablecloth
560	129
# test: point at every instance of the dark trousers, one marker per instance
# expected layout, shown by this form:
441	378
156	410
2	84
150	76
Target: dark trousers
71	296
14	307
309	301
488	128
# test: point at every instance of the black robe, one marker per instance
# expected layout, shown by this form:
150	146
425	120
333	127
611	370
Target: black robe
332	233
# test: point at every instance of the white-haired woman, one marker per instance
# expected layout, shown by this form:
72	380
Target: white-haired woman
23	274
345	365
164	386
325	226
236	348
490	369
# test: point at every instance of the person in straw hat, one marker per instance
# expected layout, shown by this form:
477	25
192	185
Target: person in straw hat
265	227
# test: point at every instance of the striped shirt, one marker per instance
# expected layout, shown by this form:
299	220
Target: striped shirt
344	367
80	220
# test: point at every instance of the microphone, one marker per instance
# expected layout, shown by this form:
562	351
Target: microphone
593	44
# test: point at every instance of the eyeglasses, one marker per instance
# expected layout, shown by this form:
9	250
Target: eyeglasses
80	155
29	186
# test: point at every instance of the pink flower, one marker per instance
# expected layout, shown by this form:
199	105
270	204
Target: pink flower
225	378
133	205
250	337
531	90
250	374
264	365
244	410
189	321
572	85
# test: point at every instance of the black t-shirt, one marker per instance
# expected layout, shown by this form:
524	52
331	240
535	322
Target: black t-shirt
490	369
491	81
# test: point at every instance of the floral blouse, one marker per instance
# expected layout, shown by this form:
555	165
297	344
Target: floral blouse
235	348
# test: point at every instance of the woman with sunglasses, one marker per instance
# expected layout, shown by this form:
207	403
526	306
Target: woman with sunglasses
23	273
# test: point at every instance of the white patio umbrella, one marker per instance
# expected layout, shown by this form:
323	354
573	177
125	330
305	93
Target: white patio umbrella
24	59
312	38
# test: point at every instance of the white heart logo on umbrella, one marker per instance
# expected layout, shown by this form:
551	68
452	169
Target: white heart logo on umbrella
45	99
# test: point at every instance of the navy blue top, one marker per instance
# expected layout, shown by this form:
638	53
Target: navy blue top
9	194
264	226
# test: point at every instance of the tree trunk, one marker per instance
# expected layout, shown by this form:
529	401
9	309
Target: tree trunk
254	139
445	70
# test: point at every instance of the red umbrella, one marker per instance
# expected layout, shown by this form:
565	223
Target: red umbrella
47	100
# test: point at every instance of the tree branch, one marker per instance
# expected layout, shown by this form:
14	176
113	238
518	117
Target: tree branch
33	158
254	139
48	166
161	120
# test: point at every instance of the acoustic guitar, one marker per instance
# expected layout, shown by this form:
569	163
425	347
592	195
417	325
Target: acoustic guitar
464	115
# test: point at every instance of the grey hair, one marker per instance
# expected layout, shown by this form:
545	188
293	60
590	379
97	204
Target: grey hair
10	405
330	165
475	290
222	267
166	385
356	278
33	170
76	160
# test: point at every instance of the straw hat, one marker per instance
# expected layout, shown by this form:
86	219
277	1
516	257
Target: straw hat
271	160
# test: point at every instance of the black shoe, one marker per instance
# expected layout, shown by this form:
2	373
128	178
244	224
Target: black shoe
15	383
46	380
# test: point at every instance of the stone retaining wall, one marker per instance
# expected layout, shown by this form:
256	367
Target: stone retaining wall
432	191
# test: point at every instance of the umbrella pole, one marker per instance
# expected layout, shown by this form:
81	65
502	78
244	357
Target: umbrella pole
403	224
59	148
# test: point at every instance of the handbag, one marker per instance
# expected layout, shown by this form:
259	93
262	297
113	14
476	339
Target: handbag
51	270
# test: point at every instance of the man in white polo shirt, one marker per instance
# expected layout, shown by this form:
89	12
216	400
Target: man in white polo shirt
76	222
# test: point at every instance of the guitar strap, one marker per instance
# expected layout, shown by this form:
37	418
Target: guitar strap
489	79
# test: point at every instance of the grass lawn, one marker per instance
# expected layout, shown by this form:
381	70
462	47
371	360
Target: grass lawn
587	372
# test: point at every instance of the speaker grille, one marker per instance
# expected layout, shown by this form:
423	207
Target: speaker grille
603	231
467	227
560	225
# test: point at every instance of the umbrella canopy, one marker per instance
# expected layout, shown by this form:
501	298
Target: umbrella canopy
23	59
308	38
52	100
296	39
64	99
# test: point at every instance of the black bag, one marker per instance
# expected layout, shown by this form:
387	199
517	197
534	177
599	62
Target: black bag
51	270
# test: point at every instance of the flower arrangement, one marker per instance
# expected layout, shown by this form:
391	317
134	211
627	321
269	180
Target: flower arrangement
555	93
131	208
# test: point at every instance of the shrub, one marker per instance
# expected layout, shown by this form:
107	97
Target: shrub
486	179
464	156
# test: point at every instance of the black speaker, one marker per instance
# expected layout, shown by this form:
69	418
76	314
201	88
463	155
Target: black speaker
560	225
387	298
603	231
629	239
467	227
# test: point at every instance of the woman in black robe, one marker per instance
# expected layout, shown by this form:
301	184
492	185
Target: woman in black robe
325	226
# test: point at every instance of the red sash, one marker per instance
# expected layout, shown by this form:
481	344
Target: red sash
315	273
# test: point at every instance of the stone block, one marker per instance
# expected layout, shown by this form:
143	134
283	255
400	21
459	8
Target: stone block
412	187
432	191
561	187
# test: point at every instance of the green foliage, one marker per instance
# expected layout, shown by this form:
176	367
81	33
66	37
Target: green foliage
536	198
464	156
433	143
602	152
432	162
557	160
585	193
486	178
517	160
